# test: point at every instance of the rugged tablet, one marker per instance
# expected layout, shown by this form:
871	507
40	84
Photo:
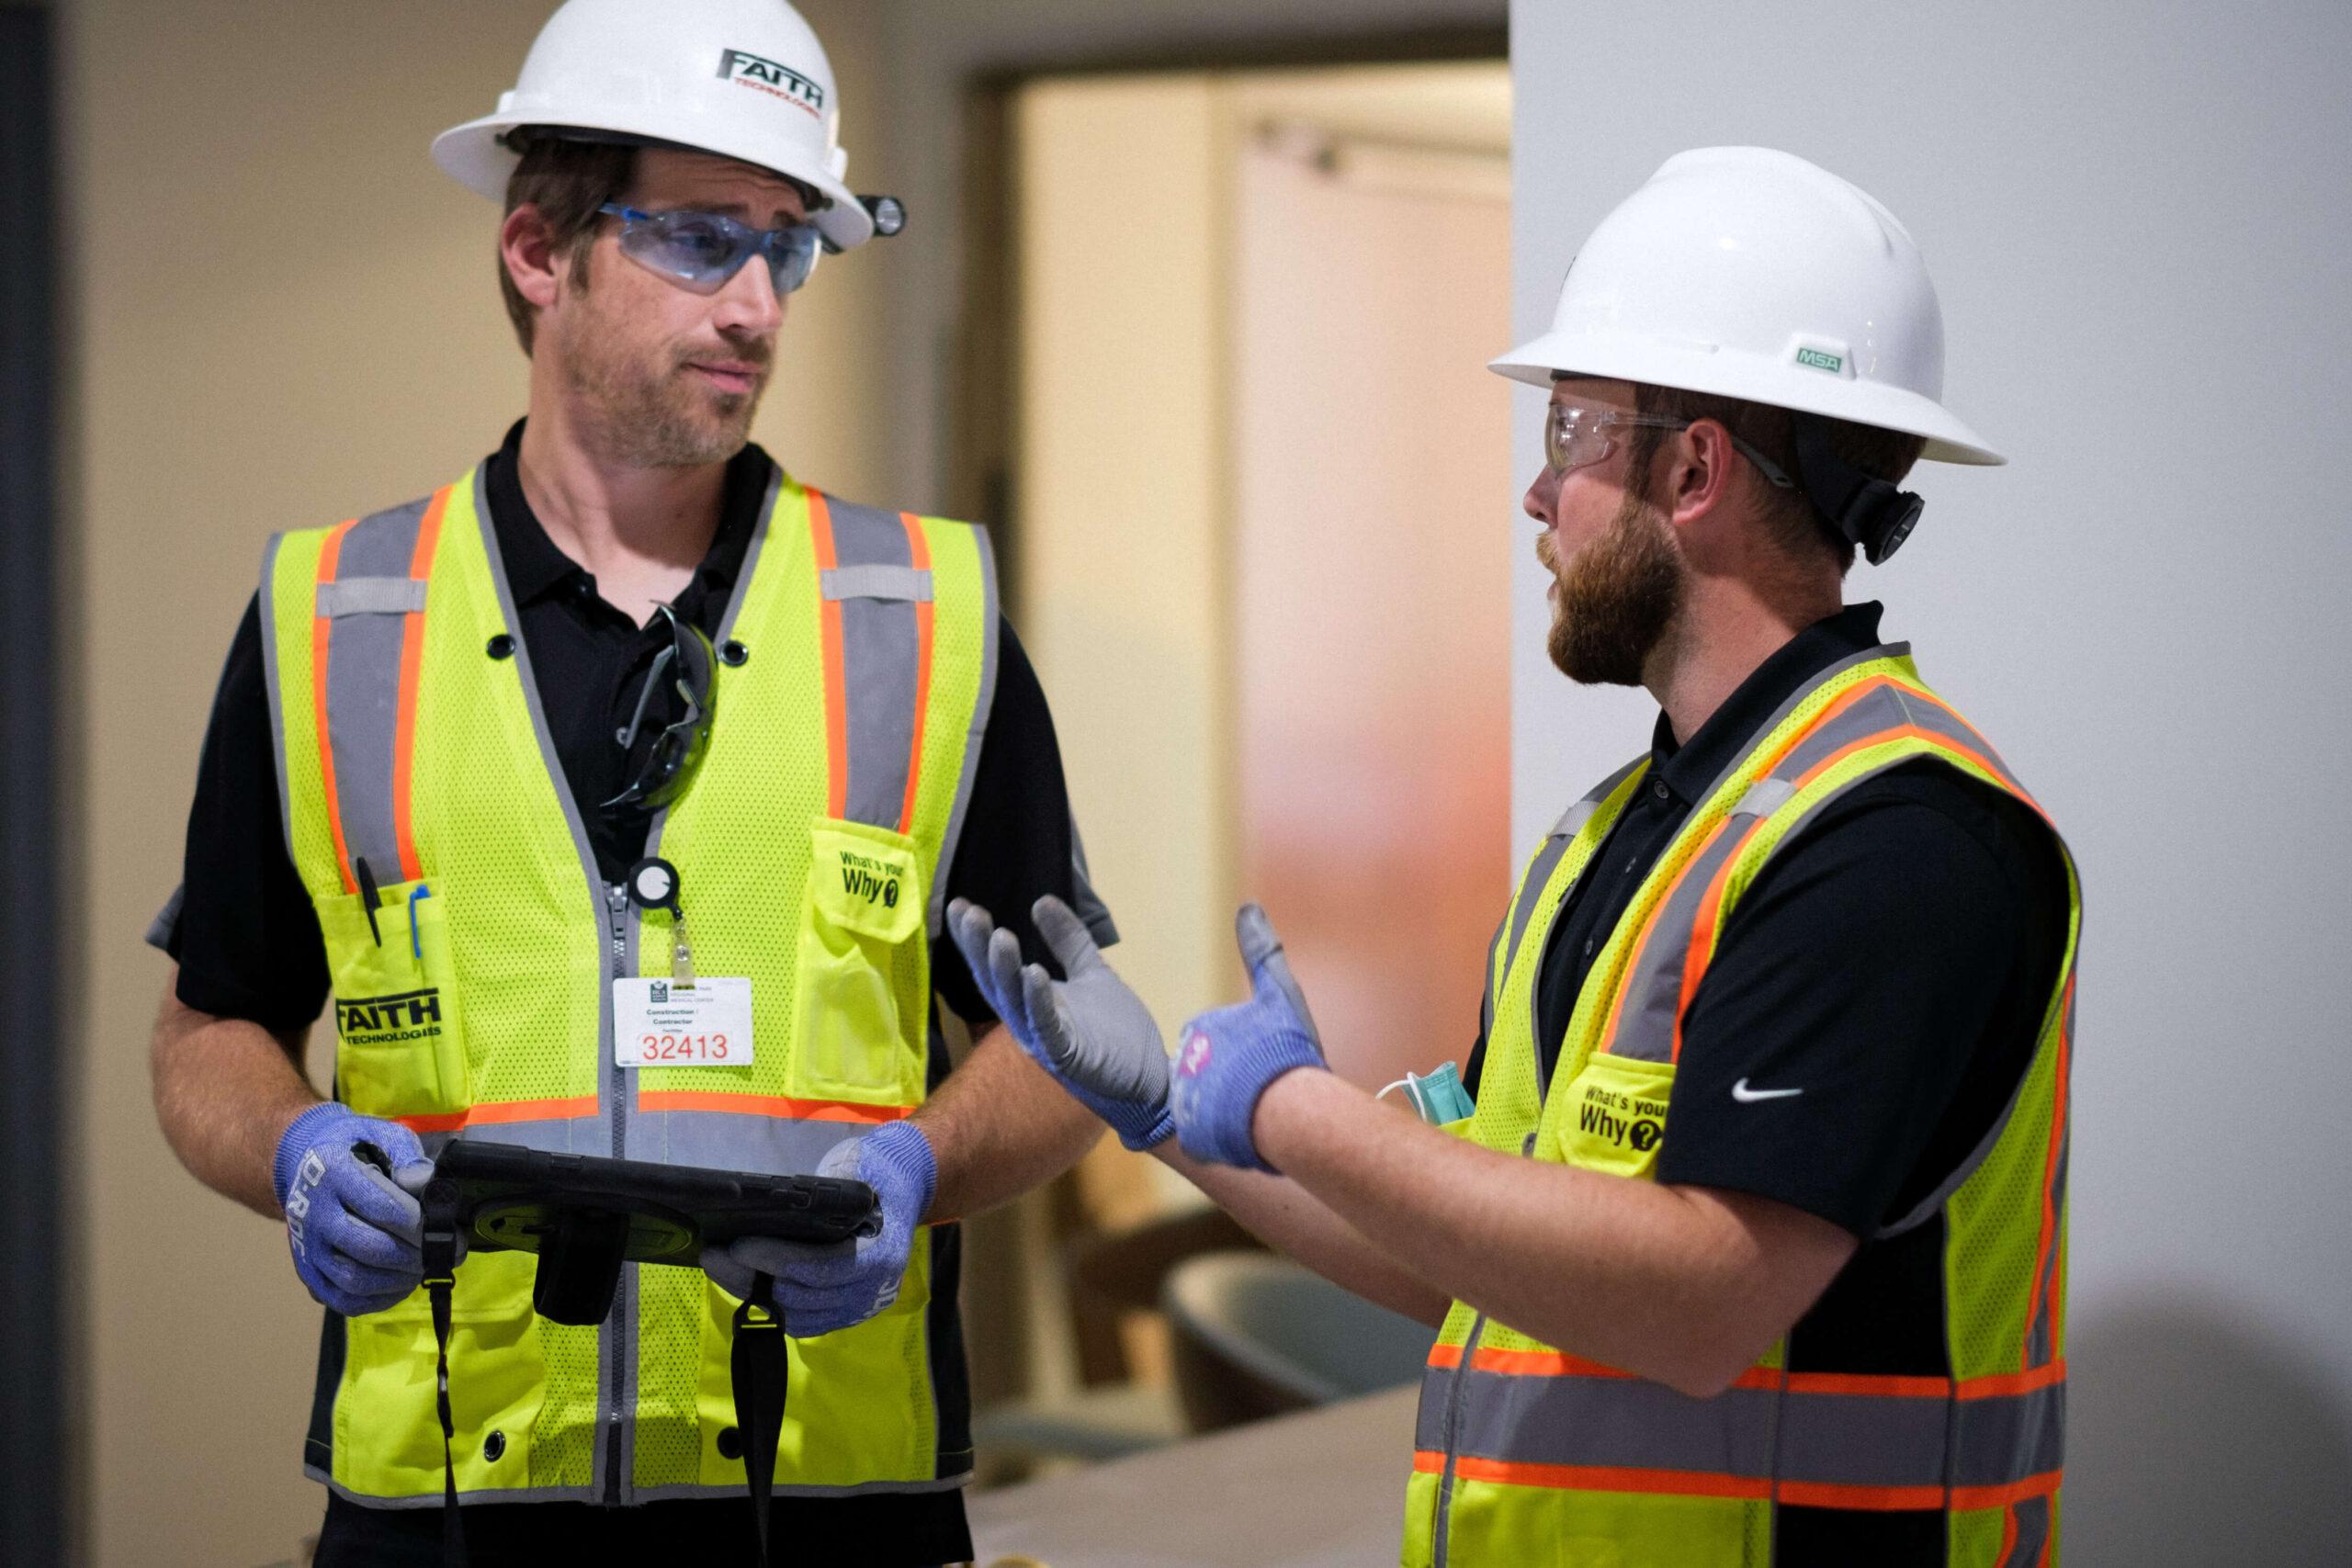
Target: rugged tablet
585	1216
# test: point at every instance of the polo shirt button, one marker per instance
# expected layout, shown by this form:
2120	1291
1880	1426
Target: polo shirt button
1657	788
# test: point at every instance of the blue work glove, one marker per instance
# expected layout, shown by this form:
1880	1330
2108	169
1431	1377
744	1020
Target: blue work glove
1225	1058
821	1287
357	1236
1092	1032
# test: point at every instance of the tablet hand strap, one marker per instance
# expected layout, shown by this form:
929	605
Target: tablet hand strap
440	1280
759	1368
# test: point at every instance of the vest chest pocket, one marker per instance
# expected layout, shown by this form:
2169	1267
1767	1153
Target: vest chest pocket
1615	1116
866	906
399	1036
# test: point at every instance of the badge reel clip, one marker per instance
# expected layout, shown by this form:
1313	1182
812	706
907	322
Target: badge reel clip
653	884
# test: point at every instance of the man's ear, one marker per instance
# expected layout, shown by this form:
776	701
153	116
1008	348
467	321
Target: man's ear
1700	476
528	250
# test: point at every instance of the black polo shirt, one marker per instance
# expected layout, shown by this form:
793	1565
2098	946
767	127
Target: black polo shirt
1892	960
248	943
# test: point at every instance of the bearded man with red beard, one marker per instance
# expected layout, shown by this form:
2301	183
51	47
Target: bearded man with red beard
1751	1250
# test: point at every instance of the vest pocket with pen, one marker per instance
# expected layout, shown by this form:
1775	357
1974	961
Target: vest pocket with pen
862	922
400	1043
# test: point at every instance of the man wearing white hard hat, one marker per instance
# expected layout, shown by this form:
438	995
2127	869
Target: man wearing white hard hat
481	762
1752	1250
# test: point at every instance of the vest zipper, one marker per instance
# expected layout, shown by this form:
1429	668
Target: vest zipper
617	1326
1453	1418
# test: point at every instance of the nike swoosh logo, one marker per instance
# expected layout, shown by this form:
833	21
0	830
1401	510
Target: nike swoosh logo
1747	1095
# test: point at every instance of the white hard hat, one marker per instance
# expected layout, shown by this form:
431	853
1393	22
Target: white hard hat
1752	273
745	79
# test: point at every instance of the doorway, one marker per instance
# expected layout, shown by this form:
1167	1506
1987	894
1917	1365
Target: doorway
1262	498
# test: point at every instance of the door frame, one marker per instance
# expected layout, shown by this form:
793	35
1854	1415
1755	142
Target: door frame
36	906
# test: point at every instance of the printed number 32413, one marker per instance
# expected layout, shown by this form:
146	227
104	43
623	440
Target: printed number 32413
681	1047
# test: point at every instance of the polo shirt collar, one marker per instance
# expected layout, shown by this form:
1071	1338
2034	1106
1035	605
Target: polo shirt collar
1690	768
536	567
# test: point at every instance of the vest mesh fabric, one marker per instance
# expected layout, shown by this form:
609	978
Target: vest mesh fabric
529	938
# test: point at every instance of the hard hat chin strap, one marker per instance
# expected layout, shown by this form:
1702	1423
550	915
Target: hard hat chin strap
1874	515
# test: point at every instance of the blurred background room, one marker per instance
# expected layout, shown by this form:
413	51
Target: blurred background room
1192	310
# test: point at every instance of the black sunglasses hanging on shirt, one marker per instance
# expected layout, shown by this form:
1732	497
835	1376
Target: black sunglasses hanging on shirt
665	748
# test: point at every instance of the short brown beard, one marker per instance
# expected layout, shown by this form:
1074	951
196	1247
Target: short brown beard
647	419
1617	599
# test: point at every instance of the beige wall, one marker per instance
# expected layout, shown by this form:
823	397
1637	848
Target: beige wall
286	315
1123	485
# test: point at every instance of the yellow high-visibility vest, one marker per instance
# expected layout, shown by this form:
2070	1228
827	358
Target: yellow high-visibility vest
1526	1454
479	1005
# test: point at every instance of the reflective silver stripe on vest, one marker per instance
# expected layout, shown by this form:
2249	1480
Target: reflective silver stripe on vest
370	596
728	1140
2032	1516
878	656
1429	1420
911	584
1764	797
1758	1434
1494	981
717	1140
1797	700
983	701
1654	991
363	677
1547	859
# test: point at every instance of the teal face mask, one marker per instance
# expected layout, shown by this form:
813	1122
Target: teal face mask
1438	1097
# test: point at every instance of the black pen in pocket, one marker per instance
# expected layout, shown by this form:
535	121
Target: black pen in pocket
370	895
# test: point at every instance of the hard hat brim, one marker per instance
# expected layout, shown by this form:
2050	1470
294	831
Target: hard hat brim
474	155
1702	367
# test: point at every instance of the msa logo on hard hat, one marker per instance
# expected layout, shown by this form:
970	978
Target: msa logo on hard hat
736	65
1820	359
389	1021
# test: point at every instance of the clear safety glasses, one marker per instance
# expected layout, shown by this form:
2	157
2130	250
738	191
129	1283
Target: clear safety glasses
700	251
670	727
1575	438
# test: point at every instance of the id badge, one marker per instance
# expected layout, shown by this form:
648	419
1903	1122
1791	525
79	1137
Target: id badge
660	1023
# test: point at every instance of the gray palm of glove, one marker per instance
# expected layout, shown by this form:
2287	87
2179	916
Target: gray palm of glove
1090	1031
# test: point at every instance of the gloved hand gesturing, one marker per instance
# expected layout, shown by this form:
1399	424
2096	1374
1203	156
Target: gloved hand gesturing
820	1288
357	1237
1226	1059
1090	1031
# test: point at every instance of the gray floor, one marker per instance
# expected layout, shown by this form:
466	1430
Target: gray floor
1316	1490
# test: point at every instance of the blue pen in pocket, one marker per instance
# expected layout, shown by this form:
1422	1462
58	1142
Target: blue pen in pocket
415	941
